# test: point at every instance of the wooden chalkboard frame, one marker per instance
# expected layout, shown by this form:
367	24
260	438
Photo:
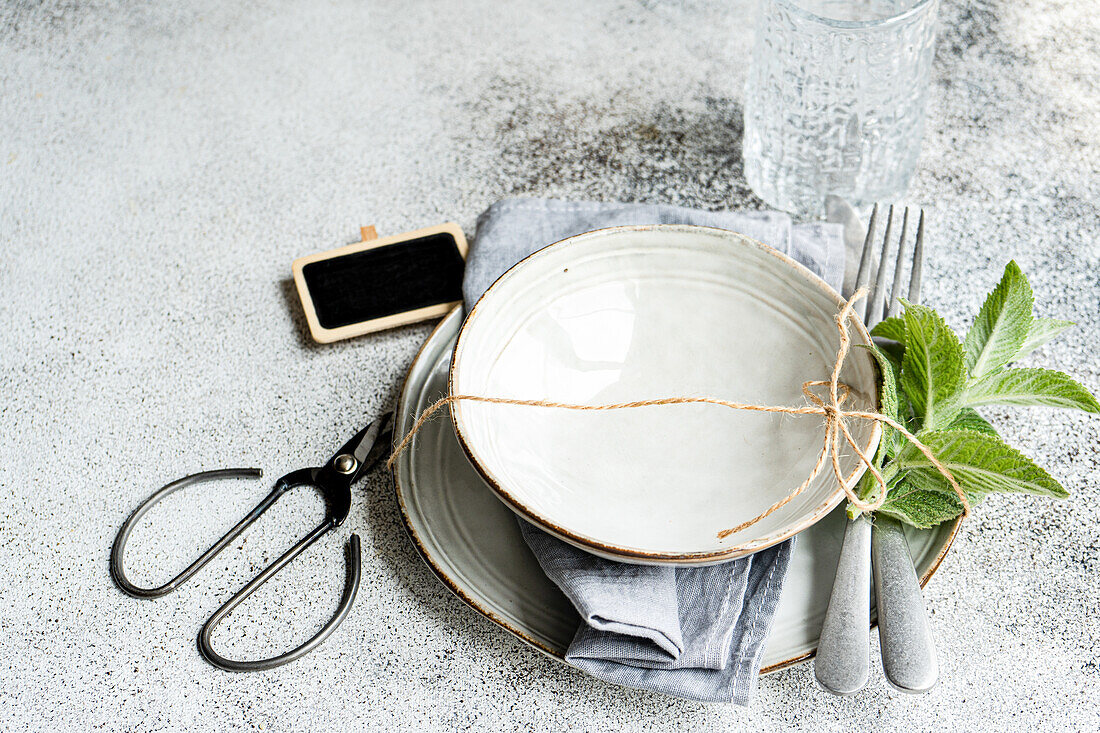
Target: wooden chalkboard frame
324	335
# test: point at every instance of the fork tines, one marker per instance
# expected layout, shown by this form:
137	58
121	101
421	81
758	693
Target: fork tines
879	304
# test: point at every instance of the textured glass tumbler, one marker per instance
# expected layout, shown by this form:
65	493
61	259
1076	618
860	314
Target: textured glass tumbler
835	100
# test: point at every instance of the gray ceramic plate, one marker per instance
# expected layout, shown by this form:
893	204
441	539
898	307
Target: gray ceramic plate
471	541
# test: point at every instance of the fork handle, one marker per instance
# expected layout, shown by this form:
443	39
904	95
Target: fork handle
905	639
843	655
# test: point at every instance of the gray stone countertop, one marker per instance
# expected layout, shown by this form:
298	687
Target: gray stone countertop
163	163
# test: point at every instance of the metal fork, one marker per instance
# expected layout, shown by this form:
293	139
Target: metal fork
908	651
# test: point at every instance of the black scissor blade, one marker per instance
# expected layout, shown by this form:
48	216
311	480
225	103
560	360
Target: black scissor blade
355	458
361	452
373	443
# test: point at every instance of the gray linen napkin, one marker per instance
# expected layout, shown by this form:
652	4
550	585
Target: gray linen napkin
696	633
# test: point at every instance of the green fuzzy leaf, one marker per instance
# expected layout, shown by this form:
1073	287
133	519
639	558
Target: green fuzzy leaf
1002	325
932	369
1029	386
888	390
888	399
866	488
920	508
938	383
894	351
1042	330
968	419
892	328
890	338
981	463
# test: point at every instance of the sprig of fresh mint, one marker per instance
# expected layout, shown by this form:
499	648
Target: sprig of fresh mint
932	382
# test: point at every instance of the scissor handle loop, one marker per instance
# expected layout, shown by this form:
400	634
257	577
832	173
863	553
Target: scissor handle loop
118	549
351	587
303	477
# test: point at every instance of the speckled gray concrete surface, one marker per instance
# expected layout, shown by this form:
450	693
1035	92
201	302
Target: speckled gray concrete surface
162	165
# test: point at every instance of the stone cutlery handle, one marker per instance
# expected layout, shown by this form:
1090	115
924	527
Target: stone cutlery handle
843	658
908	651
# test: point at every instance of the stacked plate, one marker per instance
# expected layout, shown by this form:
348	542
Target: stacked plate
618	315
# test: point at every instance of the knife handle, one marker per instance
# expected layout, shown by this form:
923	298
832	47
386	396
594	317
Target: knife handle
905	638
843	656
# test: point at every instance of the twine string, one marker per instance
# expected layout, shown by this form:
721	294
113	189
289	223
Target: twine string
829	407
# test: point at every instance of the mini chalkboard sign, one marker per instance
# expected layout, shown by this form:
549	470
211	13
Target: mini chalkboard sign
381	283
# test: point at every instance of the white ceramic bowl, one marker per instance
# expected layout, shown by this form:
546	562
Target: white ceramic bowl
635	313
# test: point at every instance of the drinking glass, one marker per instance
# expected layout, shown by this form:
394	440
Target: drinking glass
835	100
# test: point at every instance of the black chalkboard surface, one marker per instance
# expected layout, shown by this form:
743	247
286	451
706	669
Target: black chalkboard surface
382	283
385	280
